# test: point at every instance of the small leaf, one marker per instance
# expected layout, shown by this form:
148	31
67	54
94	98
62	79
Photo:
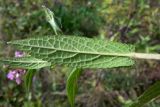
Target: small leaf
77	52
28	79
72	85
50	18
150	94
25	62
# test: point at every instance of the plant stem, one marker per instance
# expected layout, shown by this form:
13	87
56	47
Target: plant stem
145	56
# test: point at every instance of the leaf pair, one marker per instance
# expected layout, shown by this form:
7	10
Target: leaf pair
76	52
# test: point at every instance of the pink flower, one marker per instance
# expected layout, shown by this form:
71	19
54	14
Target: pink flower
11	74
19	54
16	75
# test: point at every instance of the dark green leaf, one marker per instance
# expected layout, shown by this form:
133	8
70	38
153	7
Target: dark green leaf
72	85
150	94
28	79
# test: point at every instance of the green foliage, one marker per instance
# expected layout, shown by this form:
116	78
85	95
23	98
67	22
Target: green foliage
50	18
28	79
72	85
76	51
136	22
19	17
150	94
25	62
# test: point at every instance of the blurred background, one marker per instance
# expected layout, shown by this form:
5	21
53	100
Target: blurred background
128	21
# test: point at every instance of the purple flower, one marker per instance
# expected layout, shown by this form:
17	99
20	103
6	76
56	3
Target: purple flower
16	75
19	54
11	74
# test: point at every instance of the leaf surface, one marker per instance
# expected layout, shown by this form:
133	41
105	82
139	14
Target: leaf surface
25	62
28	79
77	51
72	85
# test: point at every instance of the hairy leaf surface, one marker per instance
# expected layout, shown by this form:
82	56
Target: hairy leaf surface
25	62
77	51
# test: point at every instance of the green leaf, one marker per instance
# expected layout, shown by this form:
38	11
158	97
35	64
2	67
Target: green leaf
25	62
28	79
151	93
77	52
72	85
50	18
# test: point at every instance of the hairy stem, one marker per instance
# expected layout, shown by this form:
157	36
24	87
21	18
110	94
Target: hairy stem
145	56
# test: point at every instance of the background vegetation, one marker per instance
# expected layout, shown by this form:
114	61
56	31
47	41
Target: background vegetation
128	21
